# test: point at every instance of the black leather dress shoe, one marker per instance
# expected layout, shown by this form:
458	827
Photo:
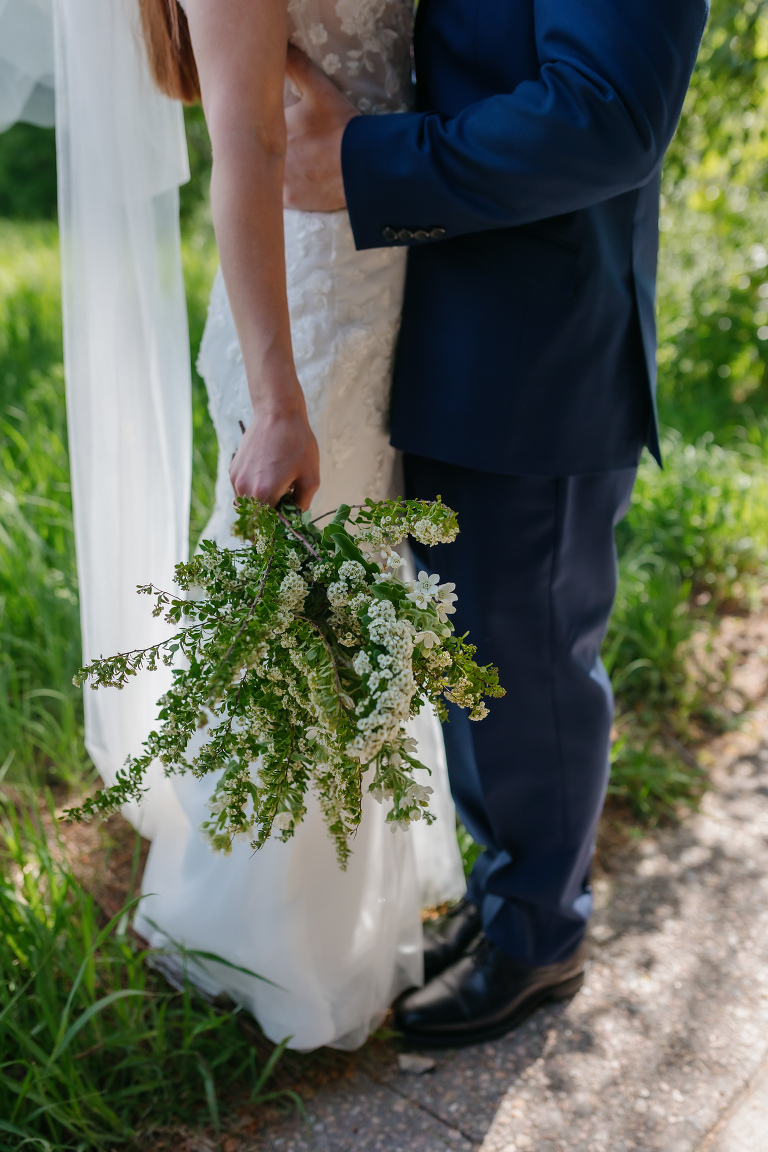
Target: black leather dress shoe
447	939
483	995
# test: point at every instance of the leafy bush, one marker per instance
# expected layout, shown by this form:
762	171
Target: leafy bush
713	274
28	173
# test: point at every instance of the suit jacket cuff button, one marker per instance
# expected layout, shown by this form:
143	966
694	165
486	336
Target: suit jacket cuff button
437	233
405	234
421	234
389	234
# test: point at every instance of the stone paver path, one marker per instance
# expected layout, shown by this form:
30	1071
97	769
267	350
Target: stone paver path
664	1050
744	1128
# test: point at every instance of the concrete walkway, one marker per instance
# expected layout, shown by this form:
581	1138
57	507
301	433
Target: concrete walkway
664	1050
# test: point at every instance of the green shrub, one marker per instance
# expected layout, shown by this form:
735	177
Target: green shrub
28	173
713	273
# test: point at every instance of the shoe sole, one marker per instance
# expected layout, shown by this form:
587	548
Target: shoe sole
562	991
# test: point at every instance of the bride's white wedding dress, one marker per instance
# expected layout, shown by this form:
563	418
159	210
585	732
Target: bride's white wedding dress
337	946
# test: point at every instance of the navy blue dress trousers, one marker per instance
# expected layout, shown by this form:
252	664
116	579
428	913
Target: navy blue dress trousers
525	184
535	572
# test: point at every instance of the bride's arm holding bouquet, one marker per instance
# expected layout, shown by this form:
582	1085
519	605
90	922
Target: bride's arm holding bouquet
301	652
240	51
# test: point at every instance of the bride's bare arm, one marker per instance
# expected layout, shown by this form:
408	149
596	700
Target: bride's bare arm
240	49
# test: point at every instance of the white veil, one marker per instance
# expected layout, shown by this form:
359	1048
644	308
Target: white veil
26	62
121	157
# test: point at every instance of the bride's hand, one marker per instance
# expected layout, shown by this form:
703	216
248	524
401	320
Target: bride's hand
277	454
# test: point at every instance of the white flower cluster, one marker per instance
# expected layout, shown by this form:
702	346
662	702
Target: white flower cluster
391	685
415	800
463	694
429	533
426	592
392	559
351	575
293	592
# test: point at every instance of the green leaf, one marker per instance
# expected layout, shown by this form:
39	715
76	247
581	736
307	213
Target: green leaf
88	1014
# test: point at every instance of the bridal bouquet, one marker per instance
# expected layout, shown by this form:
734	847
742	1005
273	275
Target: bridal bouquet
304	655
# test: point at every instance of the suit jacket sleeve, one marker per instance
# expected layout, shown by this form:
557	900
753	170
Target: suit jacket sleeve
595	123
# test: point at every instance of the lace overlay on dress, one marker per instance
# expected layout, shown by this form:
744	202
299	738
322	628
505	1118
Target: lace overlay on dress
363	45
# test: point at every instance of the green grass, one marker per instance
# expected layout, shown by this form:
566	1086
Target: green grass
40	710
696	531
95	1048
693	543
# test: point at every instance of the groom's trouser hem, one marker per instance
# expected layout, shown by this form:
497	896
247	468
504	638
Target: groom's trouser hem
535	569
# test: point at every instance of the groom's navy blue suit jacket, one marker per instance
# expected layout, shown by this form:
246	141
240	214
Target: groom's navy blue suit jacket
526	185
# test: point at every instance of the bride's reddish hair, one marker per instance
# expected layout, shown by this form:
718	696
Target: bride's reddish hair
169	49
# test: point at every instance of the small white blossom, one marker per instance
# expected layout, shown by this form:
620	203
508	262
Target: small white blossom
445	601
419	794
423	591
391	558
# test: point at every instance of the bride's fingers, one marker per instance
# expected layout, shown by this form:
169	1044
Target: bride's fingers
304	488
302	495
271	489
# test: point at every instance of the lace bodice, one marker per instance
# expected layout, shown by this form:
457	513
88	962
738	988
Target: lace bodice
364	46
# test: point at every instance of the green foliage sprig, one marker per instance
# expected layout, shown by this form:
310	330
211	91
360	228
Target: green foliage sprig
304	656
